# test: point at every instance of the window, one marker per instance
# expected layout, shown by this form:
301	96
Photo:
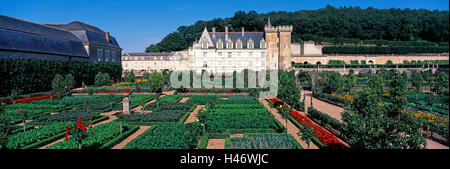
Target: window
250	54
239	44
220	54
220	44
250	44
205	64
263	64
251	63
273	55
263	54
229	54
229	44
113	56
107	55
205	54
262	44
204	45
99	54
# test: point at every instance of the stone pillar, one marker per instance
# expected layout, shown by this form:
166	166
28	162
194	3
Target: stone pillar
126	105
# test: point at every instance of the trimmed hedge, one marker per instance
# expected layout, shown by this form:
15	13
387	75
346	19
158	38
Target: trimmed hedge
331	99
325	118
383	50
36	76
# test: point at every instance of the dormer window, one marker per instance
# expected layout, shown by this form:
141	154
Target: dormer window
250	44
204	45
239	44
262	44
220	44
229	45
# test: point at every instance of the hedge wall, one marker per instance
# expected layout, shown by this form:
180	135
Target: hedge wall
383	50
36	76
307	37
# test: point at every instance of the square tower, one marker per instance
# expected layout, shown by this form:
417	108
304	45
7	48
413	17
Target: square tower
278	48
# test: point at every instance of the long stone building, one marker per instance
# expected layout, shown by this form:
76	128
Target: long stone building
75	41
140	63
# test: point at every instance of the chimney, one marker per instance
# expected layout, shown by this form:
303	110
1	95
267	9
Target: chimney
226	32
214	32
107	37
242	31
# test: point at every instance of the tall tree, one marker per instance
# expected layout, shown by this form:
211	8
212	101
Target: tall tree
417	81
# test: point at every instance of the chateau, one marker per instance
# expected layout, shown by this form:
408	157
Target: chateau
76	41
226	52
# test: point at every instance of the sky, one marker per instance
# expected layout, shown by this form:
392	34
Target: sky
138	23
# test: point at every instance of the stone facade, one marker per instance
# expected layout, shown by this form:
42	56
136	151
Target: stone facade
140	63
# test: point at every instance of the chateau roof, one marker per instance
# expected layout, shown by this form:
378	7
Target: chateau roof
234	36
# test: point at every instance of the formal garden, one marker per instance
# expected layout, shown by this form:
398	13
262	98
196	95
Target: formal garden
146	113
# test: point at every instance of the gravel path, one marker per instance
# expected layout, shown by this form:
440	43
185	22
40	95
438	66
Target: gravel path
331	110
122	144
216	144
292	129
193	116
184	99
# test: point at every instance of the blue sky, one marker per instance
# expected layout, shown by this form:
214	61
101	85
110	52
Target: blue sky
138	23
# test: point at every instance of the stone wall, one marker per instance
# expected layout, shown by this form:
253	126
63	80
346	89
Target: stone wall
376	59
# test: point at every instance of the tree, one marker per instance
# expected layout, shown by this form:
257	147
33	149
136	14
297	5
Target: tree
306	134
156	82
69	82
288	91
376	84
417	81
334	82
349	82
442	81
397	96
152	48
129	76
368	125
101	79
329	24
59	85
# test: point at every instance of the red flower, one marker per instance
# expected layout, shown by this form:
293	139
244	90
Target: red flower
90	118
92	133
20	111
215	101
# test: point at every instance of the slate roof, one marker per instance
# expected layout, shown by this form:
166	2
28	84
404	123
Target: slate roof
20	35
234	36
87	33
